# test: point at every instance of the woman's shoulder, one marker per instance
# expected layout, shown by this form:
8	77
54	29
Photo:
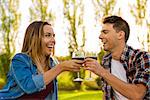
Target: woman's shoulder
18	55
22	56
21	59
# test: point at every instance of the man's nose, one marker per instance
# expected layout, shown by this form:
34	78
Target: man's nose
100	36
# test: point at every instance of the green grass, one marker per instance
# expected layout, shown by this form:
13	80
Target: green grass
80	95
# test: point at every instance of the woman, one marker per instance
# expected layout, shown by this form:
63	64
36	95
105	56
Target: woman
33	72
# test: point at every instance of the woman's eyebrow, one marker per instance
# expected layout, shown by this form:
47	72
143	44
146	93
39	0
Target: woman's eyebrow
48	33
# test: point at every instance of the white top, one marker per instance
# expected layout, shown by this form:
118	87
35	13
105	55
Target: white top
118	70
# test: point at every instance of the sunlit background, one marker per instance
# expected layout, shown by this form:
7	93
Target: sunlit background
92	26
77	25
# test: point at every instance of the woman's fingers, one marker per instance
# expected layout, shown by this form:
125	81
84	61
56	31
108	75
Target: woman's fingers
73	65
78	61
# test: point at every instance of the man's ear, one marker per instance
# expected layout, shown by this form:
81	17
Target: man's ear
121	35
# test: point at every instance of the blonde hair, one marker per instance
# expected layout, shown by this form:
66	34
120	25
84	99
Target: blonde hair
33	43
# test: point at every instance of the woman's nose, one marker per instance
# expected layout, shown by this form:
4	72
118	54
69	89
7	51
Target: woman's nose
53	40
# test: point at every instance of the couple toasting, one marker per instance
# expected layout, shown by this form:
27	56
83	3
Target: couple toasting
124	71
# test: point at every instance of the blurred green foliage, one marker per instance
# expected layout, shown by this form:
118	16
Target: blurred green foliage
4	63
9	25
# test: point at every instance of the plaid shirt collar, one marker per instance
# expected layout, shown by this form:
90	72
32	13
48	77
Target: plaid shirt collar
127	52
124	57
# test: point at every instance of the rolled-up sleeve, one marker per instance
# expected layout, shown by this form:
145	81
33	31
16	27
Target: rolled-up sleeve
38	81
143	70
24	77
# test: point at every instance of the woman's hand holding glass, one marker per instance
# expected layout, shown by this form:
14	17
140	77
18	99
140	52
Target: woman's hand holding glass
71	65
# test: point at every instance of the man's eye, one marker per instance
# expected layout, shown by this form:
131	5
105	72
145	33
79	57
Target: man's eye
105	32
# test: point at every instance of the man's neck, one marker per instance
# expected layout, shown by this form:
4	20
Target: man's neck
117	52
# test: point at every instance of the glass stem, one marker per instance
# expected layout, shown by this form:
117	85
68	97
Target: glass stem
78	74
90	74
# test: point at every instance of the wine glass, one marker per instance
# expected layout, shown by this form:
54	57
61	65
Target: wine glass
78	55
93	56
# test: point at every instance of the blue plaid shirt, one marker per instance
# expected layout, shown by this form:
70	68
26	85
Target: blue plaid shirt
137	66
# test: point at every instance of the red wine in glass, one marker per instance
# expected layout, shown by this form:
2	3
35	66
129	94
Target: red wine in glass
93	57
78	58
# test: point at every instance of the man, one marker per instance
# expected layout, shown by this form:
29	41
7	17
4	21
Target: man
125	71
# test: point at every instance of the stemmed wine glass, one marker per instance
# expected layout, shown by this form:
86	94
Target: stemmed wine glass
78	55
93	56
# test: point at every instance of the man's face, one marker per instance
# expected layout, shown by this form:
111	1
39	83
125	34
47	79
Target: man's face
108	37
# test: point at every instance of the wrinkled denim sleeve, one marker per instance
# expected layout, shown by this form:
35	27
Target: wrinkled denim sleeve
28	82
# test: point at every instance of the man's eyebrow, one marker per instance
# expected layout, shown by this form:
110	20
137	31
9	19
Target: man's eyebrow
104	30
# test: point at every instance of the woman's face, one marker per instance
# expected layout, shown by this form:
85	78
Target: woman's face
48	40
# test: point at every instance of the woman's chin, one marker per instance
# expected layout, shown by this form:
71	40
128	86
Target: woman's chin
49	54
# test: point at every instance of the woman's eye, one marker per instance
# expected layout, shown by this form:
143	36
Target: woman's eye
47	35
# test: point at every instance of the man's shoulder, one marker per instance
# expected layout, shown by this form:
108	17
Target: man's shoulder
129	51
141	53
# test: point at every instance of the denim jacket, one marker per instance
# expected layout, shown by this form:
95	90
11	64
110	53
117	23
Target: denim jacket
23	78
